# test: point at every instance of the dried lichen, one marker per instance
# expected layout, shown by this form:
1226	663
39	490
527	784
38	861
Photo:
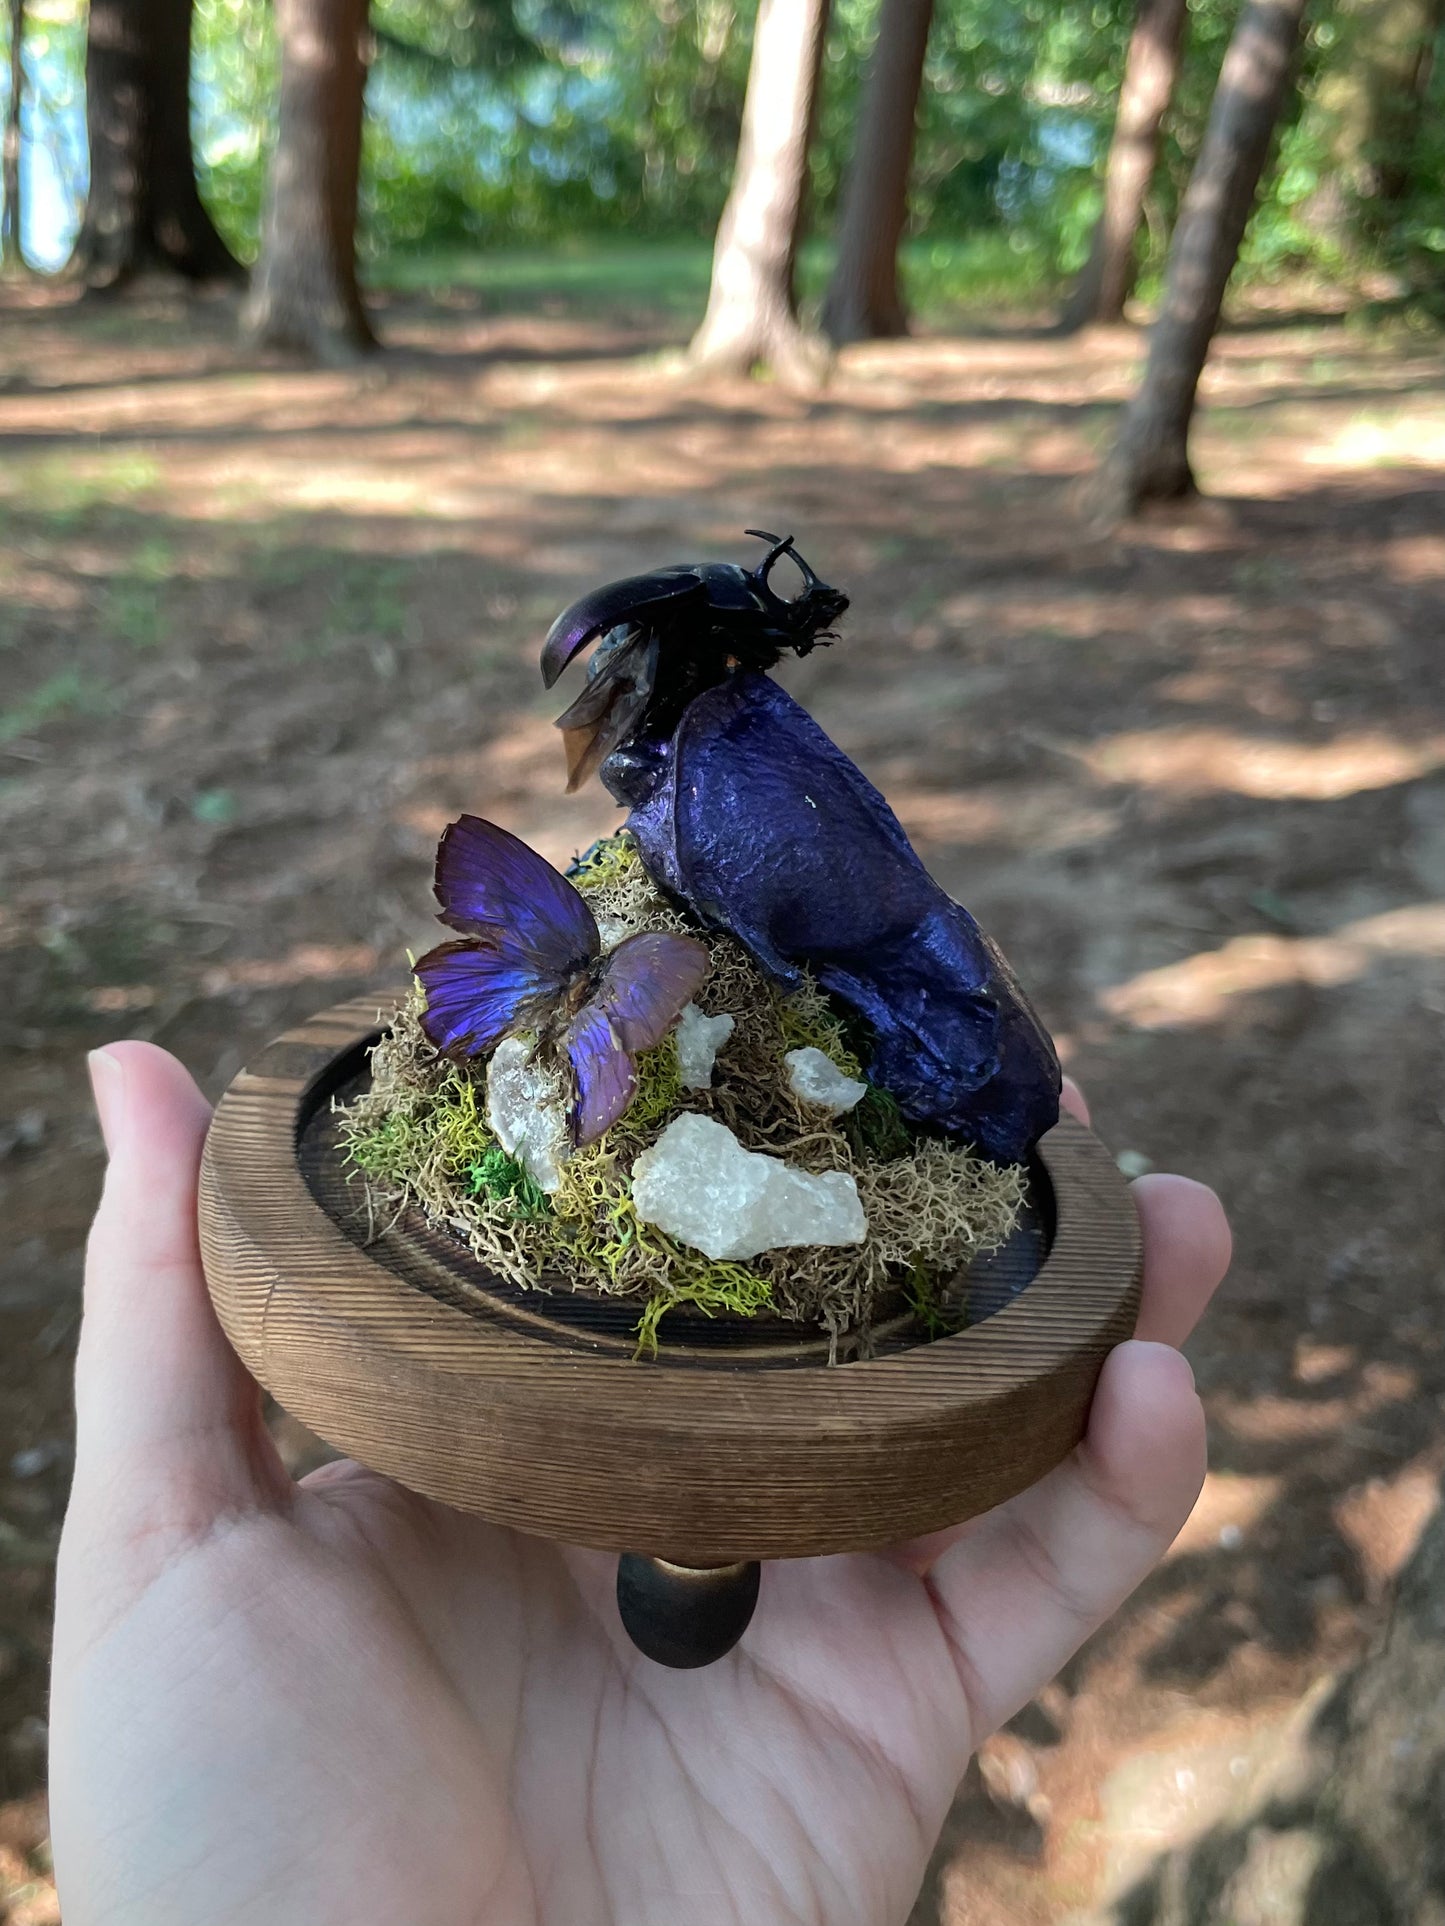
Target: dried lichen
420	1134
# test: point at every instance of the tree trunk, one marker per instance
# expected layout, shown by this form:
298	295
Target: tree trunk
143	209
1150	72
1150	459
304	290
10	251
863	299
752	314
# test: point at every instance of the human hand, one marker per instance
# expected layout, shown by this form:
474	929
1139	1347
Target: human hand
332	1701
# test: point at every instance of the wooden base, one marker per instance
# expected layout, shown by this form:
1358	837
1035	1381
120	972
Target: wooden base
739	1442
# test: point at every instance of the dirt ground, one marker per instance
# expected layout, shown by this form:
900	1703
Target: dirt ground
263	631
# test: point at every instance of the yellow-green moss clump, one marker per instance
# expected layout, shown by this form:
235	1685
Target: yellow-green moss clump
420	1135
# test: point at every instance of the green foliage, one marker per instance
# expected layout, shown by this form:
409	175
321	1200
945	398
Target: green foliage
496	126
66	693
236	66
450	1131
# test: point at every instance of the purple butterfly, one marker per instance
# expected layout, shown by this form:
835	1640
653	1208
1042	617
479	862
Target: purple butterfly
531	958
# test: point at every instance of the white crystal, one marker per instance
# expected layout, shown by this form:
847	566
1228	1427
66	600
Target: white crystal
699	1184
527	1109
817	1080
698	1039
611	930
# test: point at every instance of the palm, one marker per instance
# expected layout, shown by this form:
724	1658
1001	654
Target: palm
337	1702
418	1710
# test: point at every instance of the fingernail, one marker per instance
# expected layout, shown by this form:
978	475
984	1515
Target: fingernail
107	1084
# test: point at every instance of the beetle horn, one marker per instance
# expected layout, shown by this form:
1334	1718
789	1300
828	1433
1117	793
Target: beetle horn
567	637
637	602
780	546
810	579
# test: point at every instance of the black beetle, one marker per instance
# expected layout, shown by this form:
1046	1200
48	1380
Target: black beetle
670	635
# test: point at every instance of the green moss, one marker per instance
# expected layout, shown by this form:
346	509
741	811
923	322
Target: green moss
458	1123
608	861
421	1133
446	1129
386	1150
711	1287
925	1299
501	1177
876	1128
606	1238
659	1088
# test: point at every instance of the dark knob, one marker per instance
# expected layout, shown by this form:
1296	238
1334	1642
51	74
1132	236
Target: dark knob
685	1615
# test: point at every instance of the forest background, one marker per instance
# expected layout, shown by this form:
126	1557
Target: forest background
495	126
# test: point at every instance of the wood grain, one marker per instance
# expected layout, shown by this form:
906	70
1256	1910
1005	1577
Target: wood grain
733	1445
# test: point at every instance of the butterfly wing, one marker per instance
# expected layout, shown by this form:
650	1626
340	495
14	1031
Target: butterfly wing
475	995
606	1078
492	886
647	980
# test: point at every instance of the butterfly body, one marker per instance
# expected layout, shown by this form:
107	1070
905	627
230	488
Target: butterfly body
530	959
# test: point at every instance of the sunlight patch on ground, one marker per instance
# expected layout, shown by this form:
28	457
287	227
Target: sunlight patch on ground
1200	989
1036	816
1274	1419
1197	761
1382	1519
1410	437
1160	1799
1229	1505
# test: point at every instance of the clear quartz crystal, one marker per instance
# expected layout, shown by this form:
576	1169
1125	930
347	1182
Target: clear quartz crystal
527	1108
699	1184
817	1080
698	1039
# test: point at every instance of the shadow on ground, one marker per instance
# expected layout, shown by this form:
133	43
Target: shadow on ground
263	631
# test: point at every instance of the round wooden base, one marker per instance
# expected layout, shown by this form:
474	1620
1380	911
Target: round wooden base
739	1442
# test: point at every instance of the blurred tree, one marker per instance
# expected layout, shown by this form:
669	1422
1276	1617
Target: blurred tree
10	253
496	124
143	209
1150	71
1150	459
863	297
752	315
1369	107
304	292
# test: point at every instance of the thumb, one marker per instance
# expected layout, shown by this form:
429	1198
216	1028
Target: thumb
165	1411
